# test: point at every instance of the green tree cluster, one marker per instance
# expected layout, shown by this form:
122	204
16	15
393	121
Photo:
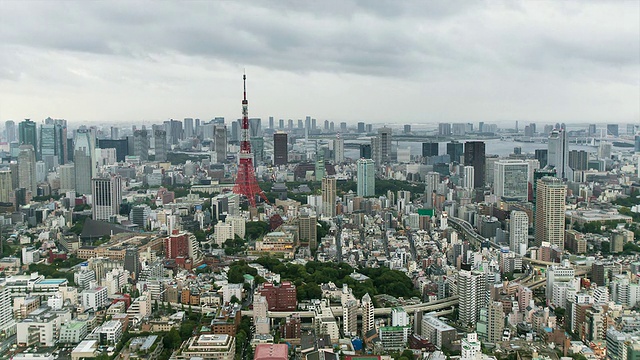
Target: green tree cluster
237	270
256	229
235	246
308	277
51	271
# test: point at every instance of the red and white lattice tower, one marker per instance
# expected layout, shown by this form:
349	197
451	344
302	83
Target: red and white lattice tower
246	182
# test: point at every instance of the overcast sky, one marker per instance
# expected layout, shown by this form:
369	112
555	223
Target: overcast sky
344	60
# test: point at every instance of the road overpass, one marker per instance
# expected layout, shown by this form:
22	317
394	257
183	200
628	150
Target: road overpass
438	305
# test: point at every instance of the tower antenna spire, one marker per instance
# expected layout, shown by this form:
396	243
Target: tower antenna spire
246	182
244	84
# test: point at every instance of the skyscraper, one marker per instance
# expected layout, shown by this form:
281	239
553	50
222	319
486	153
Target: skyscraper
329	196
6	186
365	151
280	149
542	155
255	127
474	155
518	232
381	145
511	179
444	129
27	168
174	131
338	150
431	179
220	142
115	133
10	131
141	144
67	174
84	154
47	151
455	151
160	143
429	149
612	130
366	177
578	160
550	208
558	152
27	132
188	128
107	197
361	127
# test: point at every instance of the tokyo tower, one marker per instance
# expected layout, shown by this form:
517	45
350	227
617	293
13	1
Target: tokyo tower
246	182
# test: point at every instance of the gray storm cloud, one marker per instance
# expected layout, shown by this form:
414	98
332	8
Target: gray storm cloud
343	60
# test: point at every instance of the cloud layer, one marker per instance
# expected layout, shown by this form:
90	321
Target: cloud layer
381	61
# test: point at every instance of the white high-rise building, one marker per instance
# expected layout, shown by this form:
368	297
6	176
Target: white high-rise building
223	232
511	179
469	177
329	196
558	274
350	318
107	197
470	347
399	317
366	177
94	298
519	232
367	314
472	293
7	323
550	208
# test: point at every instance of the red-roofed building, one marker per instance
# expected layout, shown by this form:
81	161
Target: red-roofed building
271	352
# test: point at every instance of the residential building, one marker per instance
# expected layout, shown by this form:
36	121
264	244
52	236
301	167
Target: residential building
329	196
279	297
550	211
519	232
368	317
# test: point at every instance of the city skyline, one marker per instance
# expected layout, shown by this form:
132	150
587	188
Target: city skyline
400	63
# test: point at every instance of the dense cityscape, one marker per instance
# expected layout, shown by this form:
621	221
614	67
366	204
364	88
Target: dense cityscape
320	180
307	239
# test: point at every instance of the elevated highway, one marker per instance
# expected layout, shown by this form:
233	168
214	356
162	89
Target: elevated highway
434	306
